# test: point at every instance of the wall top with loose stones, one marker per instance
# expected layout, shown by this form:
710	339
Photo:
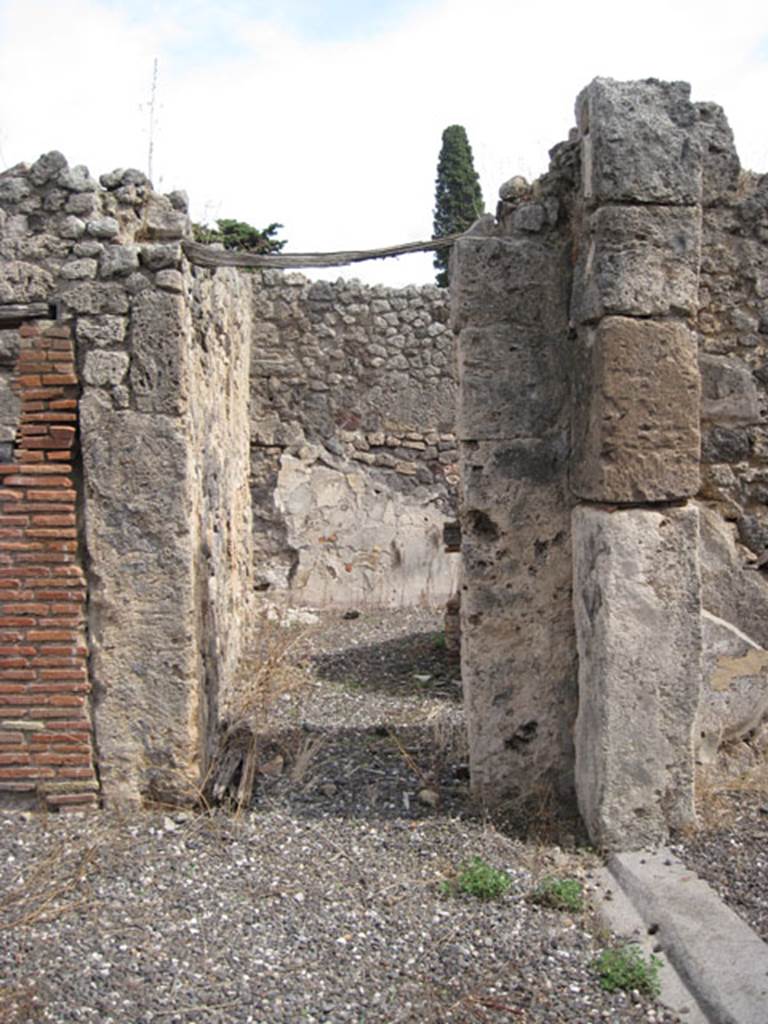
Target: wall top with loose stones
61	230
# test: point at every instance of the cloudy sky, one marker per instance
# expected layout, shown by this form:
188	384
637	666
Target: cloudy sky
326	115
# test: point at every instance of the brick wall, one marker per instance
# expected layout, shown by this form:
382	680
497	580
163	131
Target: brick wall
46	749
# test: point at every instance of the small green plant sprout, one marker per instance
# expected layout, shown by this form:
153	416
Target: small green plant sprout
560	894
476	878
626	968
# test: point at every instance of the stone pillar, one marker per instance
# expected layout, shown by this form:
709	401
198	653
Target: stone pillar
636	450
509	309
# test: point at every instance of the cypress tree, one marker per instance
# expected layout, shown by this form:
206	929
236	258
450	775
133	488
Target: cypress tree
458	198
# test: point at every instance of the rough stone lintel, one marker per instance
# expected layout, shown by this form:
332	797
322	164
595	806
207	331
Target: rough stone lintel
637	605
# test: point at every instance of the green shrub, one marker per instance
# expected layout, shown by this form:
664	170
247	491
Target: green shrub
626	968
560	894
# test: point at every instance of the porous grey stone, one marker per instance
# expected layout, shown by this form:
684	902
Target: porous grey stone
179	200
734	699
22	282
141	600
70	227
636	412
728	391
43	247
87	247
105	369
112	179
753	530
130	195
530	217
136	282
10	407
101	331
9	347
639	142
499	280
518	645
721	162
170	280
513	382
725	444
76	179
162	222
91	297
514	188
103	227
13	190
54	200
133	176
159	257
82	203
159	353
637	606
119	260
639	261
46	167
79	270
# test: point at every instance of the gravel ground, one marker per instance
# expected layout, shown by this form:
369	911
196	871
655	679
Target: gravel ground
730	851
331	899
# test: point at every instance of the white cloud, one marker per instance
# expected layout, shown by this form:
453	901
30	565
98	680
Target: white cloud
339	140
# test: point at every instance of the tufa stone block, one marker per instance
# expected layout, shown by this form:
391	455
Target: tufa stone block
105	369
639	142
636	412
508	280
22	282
639	261
512	382
637	606
159	349
728	391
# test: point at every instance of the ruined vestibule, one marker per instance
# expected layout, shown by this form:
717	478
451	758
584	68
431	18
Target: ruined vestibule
177	438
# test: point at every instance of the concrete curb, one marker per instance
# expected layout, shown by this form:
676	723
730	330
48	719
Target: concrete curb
715	968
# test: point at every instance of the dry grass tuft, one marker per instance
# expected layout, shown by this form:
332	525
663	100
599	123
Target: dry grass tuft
268	671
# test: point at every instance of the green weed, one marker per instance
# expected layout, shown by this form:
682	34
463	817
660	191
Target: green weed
476	878
560	894
626	968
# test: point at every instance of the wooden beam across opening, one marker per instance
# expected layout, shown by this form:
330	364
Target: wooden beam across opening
206	256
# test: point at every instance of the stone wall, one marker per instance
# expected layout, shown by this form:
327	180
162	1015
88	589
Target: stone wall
354	461
611	323
162	358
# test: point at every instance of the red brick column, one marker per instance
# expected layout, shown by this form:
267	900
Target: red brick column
46	736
